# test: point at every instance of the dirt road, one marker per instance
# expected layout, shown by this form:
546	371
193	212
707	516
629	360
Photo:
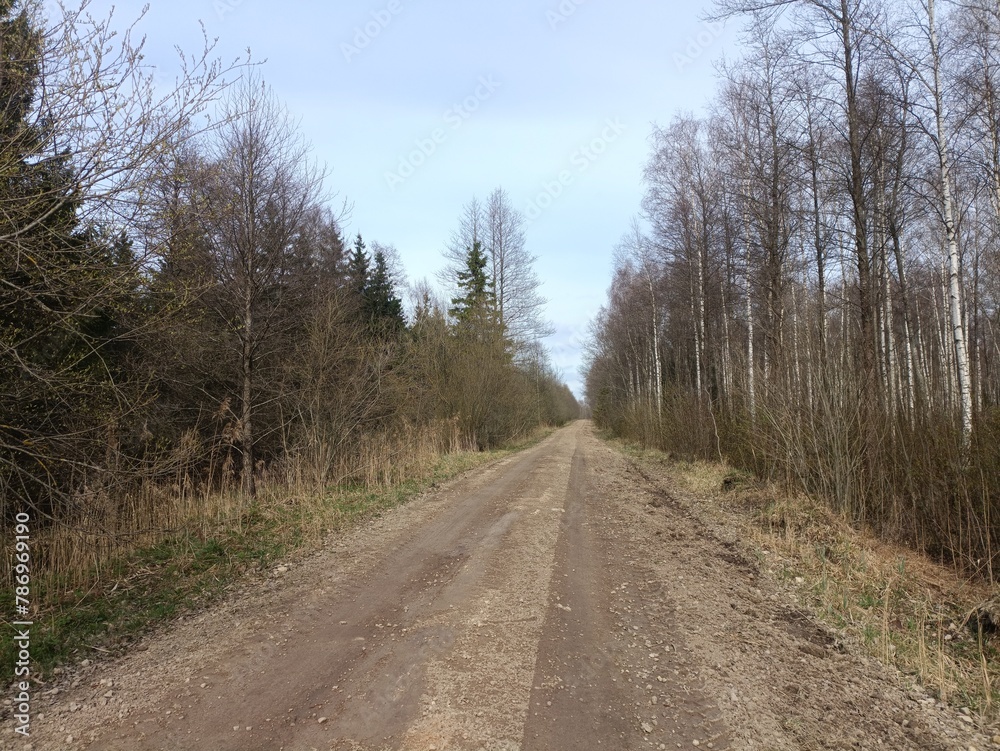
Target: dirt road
559	599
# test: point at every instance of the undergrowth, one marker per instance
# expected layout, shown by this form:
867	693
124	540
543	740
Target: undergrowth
900	606
105	609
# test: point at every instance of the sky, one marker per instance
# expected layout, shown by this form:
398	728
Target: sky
416	106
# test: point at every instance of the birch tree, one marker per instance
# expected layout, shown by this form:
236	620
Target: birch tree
926	59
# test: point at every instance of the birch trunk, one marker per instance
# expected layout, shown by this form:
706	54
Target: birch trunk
951	236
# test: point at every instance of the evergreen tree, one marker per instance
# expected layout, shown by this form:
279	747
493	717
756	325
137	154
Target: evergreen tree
475	308
370	283
358	268
67	287
383	308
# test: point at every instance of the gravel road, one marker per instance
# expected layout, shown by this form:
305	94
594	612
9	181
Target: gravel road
561	598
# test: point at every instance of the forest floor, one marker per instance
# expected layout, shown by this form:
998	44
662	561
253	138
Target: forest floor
570	596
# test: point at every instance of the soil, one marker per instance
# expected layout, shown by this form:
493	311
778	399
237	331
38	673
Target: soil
561	598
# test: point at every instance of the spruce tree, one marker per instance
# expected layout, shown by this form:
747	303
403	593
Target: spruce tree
384	309
358	269
475	308
62	350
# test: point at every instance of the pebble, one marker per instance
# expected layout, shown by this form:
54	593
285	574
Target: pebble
646	727
321	720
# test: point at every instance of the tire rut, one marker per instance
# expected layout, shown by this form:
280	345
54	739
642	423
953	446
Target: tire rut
565	598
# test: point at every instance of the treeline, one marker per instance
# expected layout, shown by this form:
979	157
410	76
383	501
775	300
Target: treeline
816	295
181	315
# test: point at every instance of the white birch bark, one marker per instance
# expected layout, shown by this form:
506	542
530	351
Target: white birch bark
951	235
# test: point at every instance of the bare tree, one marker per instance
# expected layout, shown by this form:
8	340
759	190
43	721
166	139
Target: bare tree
258	190
850	23
635	256
842	199
924	56
519	303
499	228
83	125
471	229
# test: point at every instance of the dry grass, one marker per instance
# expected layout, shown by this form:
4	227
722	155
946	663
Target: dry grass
121	567
905	609
78	551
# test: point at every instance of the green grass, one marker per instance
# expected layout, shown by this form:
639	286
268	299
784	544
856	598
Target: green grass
189	571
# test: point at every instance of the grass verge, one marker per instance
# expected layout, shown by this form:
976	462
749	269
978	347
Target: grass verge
188	570
901	607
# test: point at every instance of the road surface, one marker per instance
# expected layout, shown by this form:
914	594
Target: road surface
561	598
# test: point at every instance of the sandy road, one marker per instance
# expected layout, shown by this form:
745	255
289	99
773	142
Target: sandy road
559	599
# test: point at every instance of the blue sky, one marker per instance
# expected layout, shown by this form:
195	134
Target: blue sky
417	105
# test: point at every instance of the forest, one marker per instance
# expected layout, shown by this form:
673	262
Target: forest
182	318
812	292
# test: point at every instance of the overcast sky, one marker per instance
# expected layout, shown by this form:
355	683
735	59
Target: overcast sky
415	106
